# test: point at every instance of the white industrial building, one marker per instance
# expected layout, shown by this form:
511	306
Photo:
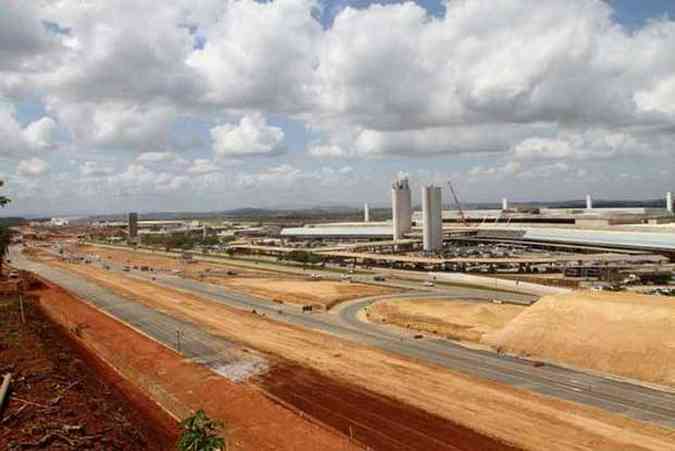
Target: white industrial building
401	207
432	232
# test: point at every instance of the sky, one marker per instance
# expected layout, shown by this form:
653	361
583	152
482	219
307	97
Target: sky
208	105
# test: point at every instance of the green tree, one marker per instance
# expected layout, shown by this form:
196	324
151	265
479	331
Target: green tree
4	200
5	241
5	233
200	434
304	257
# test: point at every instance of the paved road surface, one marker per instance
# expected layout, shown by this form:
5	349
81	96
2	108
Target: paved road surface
628	399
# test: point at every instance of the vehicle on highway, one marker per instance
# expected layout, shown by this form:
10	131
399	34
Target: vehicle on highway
379	278
126	268
428	283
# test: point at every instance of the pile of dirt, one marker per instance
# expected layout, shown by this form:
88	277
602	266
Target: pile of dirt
294	290
57	401
624	334
454	319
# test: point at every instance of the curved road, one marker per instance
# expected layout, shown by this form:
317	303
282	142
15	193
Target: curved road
635	401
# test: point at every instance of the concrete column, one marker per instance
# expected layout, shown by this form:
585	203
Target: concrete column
505	204
366	213
589	202
395	213
432	232
401	208
669	202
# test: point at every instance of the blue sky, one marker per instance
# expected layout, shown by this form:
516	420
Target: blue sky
272	109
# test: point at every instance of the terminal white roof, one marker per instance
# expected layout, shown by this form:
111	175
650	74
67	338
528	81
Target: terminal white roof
651	240
338	231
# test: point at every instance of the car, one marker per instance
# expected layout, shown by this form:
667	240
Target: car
379	278
428	283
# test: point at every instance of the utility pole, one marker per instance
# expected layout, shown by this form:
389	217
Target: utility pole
178	337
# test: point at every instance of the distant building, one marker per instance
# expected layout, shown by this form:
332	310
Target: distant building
59	222
133	226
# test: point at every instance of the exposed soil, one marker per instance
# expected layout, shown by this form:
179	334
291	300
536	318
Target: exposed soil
325	293
526	419
253	421
60	399
454	319
378	421
625	334
293	289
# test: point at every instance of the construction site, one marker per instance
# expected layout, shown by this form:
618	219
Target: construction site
428	331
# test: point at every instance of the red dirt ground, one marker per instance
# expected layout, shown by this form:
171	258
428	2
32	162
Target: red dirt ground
62	397
372	419
254	421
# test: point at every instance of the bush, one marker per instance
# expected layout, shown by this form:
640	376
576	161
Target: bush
199	434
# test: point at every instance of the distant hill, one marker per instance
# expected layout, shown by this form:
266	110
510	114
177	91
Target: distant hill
340	213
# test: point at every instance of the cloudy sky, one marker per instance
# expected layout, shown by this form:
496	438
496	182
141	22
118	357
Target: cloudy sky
116	105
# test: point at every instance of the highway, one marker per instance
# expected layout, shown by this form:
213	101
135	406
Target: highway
632	400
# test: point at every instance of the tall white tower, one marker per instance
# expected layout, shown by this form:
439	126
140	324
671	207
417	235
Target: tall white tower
505	204
401	207
431	211
669	202
589	202
366	213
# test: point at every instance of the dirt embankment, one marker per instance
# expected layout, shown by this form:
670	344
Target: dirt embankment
180	386
454	319
512	415
325	293
64	398
624	334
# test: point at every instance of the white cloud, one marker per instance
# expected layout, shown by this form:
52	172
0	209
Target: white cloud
32	168
23	36
16	141
95	169
327	151
593	144
260	55
251	137
41	134
156	156
137	179
202	166
115	124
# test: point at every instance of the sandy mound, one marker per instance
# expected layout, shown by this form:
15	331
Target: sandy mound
620	333
458	320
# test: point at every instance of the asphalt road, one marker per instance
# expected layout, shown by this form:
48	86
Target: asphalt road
631	400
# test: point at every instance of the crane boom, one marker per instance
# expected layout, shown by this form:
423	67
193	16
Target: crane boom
458	203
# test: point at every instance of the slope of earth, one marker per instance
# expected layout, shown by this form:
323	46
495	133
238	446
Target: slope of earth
252	420
60	398
326	293
515	416
454	319
624	334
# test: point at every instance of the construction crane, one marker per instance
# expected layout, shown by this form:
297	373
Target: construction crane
462	218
